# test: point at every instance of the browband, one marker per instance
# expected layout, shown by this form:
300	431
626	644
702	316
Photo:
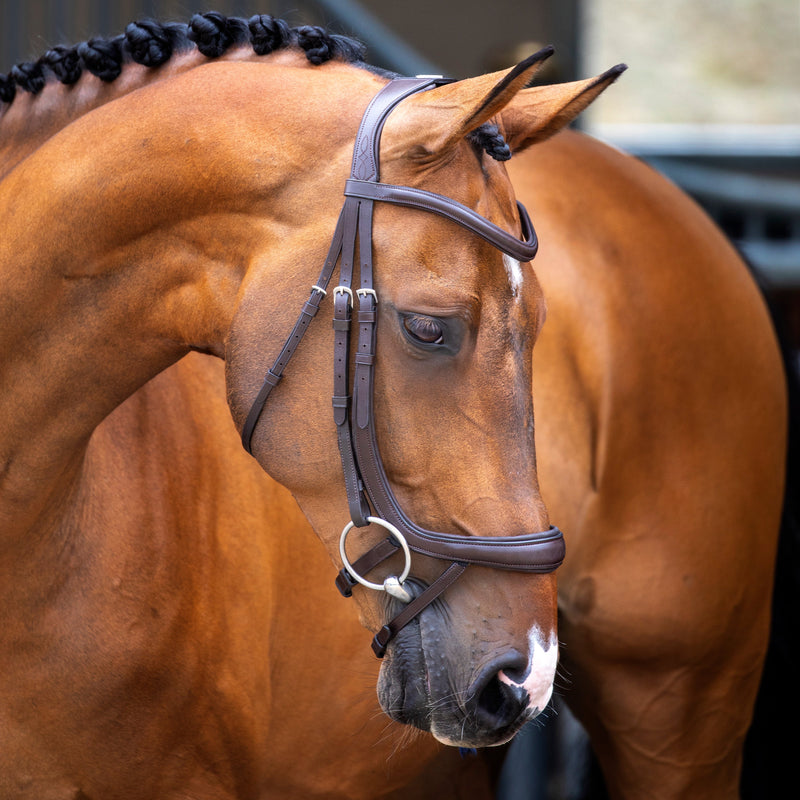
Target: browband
365	479
523	250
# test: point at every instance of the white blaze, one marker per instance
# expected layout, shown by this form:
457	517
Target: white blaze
542	662
514	270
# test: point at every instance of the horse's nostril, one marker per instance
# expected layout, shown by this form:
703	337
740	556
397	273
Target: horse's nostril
499	704
491	698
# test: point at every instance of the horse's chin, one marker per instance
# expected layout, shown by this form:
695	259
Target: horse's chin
419	686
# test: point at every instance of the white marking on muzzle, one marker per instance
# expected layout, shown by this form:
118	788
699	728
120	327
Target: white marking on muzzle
542	662
514	270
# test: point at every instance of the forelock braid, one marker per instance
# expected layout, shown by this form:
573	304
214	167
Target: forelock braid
64	63
102	57
489	138
268	34
214	33
152	43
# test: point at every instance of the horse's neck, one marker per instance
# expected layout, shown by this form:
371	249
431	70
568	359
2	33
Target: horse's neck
126	240
31	119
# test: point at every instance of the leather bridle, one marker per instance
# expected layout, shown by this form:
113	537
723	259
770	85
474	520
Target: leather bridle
365	479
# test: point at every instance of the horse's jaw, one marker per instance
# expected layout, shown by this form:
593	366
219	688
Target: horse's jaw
466	694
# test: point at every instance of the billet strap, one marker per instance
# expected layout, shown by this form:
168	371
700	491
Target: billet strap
342	318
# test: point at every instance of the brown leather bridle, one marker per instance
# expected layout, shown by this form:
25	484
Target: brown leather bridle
364	476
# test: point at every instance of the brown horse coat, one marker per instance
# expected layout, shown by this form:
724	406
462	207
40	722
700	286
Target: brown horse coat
661	435
171	628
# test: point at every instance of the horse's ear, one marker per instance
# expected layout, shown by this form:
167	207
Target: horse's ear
537	113
436	120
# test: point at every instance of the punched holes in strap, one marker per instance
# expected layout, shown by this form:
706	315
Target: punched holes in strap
341	352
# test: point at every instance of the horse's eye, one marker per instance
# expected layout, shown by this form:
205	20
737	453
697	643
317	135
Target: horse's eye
425	330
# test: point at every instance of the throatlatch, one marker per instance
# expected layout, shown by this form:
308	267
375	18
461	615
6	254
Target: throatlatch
365	479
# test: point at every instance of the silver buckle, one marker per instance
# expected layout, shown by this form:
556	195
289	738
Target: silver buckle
344	290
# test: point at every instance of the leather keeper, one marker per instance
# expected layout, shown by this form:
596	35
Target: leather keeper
271	378
381	641
310	309
340	406
345	583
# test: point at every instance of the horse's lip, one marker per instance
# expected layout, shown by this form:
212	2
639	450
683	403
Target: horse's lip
416	687
494	738
404	685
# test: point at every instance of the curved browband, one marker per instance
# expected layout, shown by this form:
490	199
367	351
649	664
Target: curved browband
365	478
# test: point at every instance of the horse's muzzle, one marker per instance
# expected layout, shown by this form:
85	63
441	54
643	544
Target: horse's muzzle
418	686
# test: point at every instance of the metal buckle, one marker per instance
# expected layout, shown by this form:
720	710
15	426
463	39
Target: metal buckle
344	290
393	585
364	292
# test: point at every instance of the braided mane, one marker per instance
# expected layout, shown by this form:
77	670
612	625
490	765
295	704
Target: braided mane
152	44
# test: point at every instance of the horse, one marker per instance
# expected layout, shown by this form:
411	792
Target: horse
661	411
148	650
116	654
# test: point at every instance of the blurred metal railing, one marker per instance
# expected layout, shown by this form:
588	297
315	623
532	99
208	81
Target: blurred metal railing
759	213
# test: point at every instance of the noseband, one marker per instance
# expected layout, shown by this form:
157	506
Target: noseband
365	479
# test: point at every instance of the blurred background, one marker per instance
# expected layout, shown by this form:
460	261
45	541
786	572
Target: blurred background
711	99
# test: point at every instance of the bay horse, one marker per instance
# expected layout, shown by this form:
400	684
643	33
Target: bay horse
661	431
171	632
158	208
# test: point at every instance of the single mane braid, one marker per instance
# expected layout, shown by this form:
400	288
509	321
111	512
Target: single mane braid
268	34
64	63
102	57
153	43
214	33
29	76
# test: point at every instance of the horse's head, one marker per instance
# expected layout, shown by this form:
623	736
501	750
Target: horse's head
438	434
